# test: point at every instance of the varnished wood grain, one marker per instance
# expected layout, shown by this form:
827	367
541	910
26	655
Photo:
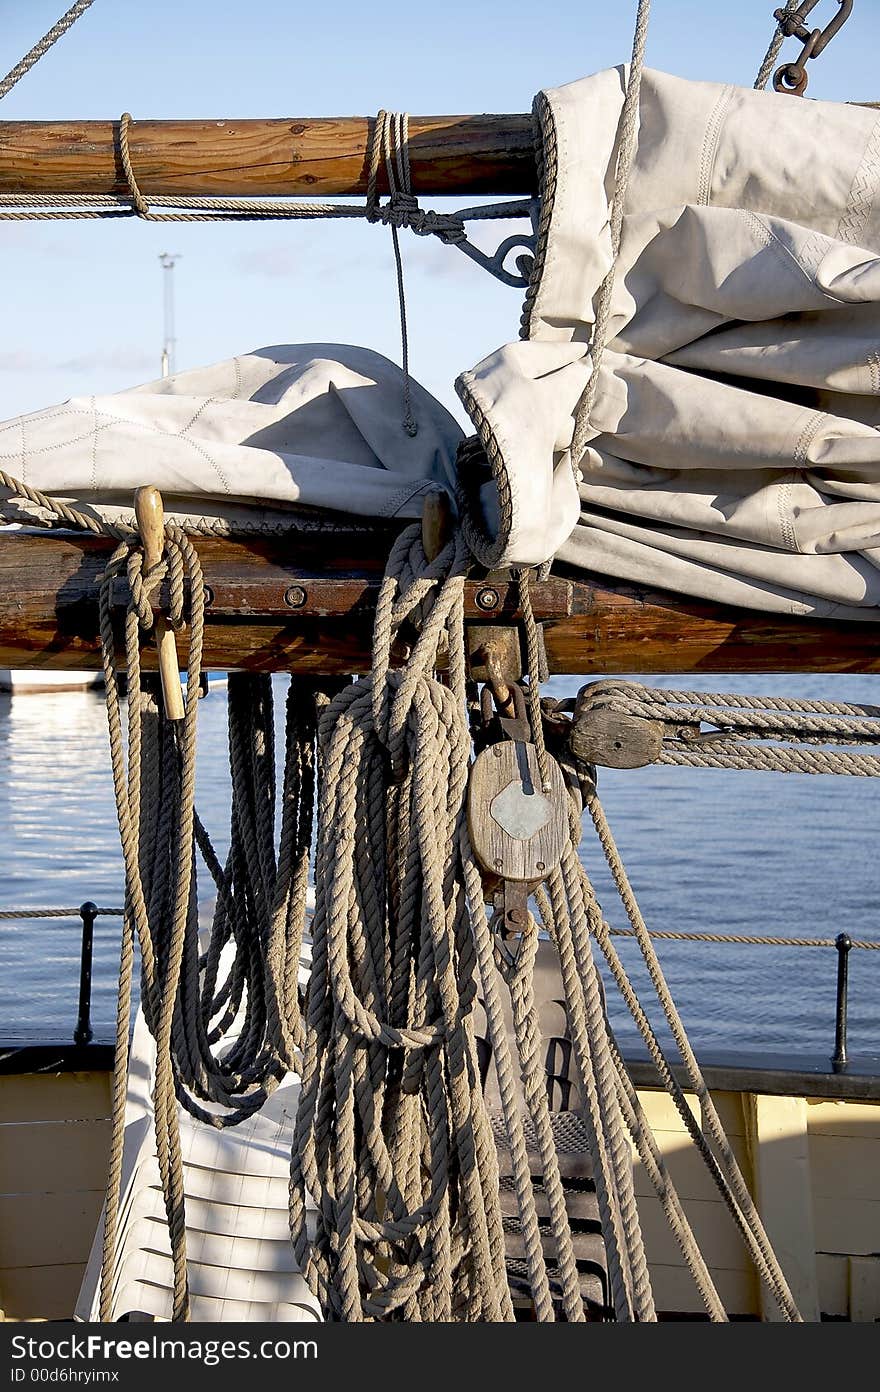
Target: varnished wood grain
297	156
49	614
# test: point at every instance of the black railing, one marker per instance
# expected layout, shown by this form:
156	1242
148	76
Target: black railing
86	913
843	944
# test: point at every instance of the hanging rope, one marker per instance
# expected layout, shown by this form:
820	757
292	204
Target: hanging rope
390	140
261	901
391	1138
43	45
769	61
627	139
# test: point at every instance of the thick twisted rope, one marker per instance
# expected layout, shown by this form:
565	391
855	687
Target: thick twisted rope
42	46
627	139
220	1078
735	720
727	1173
769	60
391	1139
57	913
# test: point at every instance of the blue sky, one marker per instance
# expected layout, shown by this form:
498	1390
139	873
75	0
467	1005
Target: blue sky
82	302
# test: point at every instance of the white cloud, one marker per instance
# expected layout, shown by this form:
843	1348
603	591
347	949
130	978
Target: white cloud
111	358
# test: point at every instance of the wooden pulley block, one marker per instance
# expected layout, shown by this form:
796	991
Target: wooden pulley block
614	739
518	826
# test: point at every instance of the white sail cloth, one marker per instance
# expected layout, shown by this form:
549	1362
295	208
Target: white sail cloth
734	446
735	438
251	441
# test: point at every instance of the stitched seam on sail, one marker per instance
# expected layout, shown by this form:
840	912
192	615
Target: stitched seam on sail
860	203
710	146
786	258
786	525
94	474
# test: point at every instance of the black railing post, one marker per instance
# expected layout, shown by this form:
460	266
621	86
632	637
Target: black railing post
82	1034
843	943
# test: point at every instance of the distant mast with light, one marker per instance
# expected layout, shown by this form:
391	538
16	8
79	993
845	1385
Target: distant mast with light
166	261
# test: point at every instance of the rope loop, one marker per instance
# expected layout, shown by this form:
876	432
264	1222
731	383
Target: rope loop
138	201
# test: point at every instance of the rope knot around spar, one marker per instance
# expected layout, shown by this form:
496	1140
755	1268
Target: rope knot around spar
404	210
146	586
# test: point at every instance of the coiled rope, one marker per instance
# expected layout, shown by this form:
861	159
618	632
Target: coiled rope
392	1140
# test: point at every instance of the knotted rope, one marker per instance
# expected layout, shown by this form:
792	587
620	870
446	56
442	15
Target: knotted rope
769	60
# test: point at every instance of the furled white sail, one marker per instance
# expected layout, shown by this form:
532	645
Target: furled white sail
312	425
735	436
734	443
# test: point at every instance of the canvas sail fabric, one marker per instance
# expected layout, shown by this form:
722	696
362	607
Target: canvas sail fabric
734	449
257	442
735	438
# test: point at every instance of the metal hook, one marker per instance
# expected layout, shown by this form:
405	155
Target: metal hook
495	264
792	77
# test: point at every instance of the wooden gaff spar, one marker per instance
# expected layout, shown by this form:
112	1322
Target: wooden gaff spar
283	606
48	583
298	158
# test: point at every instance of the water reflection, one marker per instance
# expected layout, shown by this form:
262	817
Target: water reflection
725	852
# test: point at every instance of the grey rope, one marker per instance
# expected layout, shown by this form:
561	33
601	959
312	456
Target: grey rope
57	913
773	723
769	60
565	917
390	139
734	1187
391	1139
43	45
747	939
627	140
449	227
661	1181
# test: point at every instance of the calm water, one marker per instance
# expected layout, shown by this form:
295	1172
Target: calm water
749	853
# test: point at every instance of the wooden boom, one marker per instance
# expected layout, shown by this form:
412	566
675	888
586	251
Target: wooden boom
282	605
297	157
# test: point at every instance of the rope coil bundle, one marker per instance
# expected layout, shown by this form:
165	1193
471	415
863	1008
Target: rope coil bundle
260	899
392	1139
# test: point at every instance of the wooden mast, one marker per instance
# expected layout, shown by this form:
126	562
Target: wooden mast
296	157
